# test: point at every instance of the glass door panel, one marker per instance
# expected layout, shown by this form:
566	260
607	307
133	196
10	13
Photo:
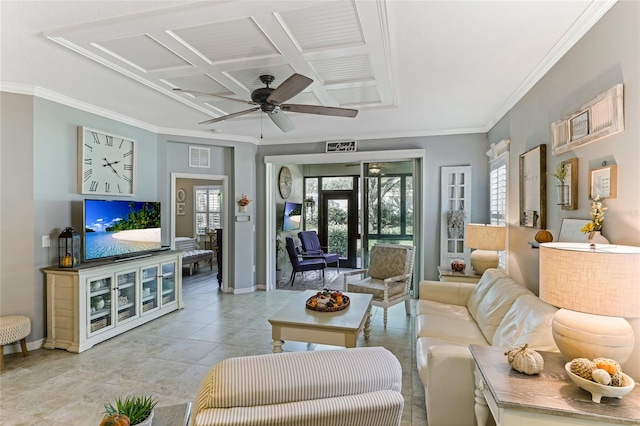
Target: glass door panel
99	304
168	282
150	281
126	300
339	223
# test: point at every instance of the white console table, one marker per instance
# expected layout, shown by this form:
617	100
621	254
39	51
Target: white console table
99	300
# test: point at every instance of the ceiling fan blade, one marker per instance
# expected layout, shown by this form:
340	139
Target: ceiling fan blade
281	120
195	92
291	87
321	110
235	114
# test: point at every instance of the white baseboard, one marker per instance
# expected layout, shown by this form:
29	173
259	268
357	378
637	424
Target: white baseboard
244	290
13	348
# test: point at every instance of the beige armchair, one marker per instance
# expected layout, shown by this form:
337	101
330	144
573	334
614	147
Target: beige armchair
388	278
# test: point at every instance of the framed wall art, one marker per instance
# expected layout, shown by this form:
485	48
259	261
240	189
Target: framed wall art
533	188
603	181
602	116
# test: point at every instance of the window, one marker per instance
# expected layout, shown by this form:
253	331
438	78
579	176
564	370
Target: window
498	176
208	206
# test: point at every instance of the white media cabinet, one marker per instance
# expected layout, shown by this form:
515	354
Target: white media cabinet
99	300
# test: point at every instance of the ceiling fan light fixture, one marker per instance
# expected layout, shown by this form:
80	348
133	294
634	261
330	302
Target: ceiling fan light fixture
374	169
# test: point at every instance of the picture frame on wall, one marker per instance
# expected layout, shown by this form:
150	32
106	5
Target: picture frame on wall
571	180
533	188
603	181
580	125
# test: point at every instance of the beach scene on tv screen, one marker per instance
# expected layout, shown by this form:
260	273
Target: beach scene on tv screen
114	228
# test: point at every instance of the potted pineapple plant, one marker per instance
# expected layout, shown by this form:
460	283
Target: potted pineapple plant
137	409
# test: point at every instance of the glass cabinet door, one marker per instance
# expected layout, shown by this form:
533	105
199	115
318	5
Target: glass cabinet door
168	282
150	294
126	296
99	304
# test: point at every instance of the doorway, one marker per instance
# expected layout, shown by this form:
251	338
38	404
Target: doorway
414	156
220	181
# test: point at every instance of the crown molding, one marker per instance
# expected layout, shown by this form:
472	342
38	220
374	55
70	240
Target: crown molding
39	92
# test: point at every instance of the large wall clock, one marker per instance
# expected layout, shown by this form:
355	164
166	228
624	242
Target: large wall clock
285	182
106	163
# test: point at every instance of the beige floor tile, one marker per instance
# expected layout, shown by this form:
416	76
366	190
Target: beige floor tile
169	357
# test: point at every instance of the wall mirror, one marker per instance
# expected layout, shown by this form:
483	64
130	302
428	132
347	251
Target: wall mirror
533	188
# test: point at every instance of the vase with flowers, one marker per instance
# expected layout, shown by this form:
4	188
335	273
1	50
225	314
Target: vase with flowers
594	226
563	190
243	201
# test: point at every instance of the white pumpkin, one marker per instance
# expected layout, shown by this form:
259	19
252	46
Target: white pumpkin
525	360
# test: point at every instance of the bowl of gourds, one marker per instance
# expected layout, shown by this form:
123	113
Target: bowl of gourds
601	377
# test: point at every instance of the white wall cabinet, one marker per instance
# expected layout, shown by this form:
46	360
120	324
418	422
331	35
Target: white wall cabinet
95	302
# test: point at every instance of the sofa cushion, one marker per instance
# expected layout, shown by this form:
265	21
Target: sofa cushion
376	288
487	280
495	304
436	308
280	378
527	321
386	262
451	330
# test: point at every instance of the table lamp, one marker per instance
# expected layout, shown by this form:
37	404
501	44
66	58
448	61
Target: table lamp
596	287
487	240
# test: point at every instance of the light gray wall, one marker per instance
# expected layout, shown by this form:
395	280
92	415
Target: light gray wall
607	55
439	151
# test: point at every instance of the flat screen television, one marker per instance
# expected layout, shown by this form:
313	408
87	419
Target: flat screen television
120	228
292	216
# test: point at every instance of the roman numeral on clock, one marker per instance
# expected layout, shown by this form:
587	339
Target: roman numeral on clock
127	154
119	190
109	140
87	161
87	174
127	178
96	138
128	167
107	187
94	186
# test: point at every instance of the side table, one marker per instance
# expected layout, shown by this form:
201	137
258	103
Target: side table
550	398
447	274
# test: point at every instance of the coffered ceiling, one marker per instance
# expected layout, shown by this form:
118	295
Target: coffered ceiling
410	67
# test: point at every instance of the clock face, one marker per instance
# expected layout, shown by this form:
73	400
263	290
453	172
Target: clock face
285	182
106	163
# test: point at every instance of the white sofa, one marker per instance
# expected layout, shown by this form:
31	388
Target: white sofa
350	387
450	316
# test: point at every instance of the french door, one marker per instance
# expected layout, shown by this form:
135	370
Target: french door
339	225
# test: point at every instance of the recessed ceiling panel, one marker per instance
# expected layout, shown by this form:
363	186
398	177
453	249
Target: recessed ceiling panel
344	69
143	52
307	98
356	96
200	83
225	41
322	27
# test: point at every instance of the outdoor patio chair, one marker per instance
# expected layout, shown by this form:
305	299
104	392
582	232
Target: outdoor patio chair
312	248
303	265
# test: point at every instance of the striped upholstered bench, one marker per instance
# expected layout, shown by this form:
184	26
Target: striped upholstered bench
342	387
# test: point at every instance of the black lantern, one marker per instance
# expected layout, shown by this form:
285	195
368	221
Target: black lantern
68	249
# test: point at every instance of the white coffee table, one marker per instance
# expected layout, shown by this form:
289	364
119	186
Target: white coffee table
342	328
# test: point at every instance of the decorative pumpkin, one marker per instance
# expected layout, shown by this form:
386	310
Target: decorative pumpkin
525	360
67	261
544	236
115	420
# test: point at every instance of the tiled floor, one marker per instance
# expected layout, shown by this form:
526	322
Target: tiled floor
169	356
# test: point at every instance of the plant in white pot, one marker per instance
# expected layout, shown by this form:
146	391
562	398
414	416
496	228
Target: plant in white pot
138	409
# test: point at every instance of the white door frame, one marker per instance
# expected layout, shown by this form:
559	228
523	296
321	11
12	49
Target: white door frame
225	228
323	158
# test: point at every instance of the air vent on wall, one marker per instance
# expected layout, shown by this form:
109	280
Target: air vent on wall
198	157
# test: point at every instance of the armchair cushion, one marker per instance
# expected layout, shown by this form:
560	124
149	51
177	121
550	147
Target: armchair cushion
388	261
376	288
